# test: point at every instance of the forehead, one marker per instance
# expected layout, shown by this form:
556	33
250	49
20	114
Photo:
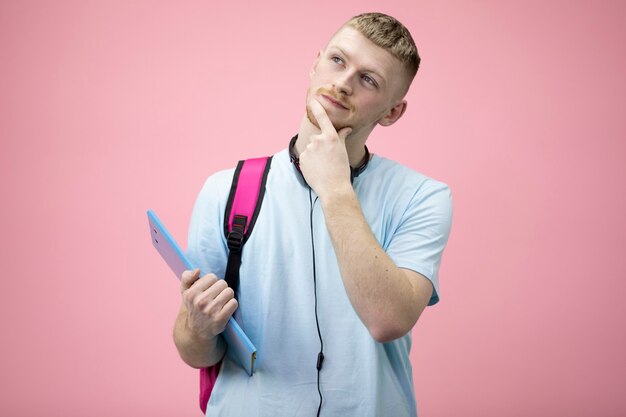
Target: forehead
364	52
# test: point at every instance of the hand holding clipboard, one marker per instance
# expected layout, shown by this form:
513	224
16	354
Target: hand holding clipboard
239	344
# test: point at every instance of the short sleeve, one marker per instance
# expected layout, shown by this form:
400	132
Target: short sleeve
422	233
206	245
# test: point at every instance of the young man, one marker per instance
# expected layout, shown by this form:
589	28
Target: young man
344	256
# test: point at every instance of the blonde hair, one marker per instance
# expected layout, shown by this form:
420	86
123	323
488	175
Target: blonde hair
391	35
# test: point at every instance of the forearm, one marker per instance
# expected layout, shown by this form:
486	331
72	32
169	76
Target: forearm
385	297
193	350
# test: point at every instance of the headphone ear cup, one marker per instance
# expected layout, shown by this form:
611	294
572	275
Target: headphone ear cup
355	172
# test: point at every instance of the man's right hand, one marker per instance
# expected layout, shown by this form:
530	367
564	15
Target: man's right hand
209	302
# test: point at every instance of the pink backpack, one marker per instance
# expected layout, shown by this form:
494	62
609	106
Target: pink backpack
242	209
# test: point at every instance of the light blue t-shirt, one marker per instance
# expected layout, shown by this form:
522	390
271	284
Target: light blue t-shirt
409	214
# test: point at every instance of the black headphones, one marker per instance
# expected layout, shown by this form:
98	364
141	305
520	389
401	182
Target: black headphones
354	172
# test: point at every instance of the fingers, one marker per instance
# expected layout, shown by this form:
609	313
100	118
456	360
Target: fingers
191	280
343	133
214	307
224	305
205	291
208	301
229	308
324	122
321	117
218	291
188	278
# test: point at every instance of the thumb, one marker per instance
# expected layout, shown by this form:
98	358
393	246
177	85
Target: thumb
188	278
343	133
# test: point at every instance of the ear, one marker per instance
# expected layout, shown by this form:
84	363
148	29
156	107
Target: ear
314	66
394	114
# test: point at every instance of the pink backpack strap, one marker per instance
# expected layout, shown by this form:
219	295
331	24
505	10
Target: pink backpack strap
242	209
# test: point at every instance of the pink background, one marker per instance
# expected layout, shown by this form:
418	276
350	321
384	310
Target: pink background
110	108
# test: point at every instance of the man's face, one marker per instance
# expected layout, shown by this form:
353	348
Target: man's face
356	81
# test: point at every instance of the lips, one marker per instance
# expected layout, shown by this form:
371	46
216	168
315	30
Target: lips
335	102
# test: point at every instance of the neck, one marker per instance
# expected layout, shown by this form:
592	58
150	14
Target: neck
355	142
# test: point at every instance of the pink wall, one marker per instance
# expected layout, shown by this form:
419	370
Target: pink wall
110	108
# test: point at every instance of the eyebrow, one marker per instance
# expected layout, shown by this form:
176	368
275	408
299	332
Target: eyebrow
367	70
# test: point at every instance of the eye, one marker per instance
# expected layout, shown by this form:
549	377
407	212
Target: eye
369	80
336	60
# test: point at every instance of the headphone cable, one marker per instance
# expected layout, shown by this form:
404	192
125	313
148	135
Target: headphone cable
320	355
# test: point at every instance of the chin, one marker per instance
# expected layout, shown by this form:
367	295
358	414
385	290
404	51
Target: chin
336	124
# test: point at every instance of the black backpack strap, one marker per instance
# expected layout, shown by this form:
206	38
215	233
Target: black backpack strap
242	209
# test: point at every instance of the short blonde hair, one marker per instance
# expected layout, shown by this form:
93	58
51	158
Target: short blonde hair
391	35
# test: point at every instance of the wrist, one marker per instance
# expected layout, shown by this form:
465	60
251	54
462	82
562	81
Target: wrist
341	197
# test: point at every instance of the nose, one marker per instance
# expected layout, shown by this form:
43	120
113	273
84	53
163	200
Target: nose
343	83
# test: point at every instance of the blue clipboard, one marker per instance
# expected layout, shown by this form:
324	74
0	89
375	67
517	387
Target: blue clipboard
239	345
